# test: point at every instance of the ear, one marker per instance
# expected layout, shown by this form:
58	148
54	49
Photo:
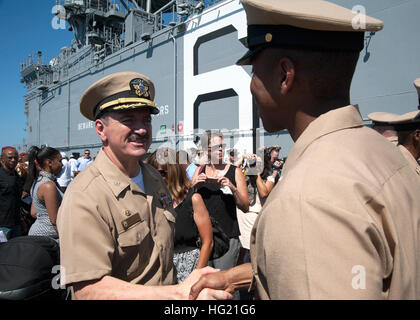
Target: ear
48	162
416	135
100	128
287	71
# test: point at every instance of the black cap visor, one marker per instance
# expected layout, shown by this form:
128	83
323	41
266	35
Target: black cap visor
264	36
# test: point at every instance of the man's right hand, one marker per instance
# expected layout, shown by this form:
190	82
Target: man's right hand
228	280
204	293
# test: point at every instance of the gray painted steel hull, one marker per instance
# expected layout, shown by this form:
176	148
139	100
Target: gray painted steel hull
198	85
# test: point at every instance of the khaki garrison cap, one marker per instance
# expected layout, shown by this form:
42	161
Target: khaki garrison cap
406	122
118	91
310	24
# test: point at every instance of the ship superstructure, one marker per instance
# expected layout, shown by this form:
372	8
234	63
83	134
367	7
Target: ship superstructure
189	49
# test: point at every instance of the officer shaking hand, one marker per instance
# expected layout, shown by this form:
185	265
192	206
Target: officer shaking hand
116	222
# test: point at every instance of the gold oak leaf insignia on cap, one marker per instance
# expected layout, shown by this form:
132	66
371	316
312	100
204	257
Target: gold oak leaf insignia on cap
140	87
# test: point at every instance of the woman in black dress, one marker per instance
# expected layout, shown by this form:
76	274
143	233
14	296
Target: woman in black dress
223	189
193	231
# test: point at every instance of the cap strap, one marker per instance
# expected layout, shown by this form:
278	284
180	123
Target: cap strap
407	126
285	35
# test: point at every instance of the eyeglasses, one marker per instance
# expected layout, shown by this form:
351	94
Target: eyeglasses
10	158
163	173
217	147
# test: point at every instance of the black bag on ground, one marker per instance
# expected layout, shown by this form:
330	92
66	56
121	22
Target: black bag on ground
26	265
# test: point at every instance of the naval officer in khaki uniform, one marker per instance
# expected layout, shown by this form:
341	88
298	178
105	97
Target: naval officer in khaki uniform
408	128
343	220
116	222
380	123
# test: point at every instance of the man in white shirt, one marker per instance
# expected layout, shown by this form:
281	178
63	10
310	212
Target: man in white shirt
73	164
84	161
64	178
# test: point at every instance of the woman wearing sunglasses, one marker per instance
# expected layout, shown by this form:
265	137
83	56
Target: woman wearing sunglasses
223	189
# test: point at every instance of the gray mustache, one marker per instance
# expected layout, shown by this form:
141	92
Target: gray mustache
137	137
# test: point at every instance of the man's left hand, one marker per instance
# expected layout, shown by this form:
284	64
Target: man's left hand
211	281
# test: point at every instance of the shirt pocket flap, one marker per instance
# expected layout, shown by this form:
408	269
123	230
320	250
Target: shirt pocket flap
133	236
169	216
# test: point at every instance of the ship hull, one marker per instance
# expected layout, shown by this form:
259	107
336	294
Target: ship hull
199	87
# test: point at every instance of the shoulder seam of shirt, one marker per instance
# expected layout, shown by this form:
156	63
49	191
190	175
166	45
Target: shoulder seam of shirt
95	175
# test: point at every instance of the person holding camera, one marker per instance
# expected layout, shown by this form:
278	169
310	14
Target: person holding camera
234	158
223	189
260	180
276	163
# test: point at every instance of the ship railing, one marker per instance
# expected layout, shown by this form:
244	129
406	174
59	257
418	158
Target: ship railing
181	10
100	5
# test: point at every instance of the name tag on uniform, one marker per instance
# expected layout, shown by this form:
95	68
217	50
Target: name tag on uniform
127	223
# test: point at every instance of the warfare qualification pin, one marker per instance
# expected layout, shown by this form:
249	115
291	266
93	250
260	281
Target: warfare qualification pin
140	87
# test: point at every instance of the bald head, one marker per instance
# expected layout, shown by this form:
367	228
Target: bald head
9	158
4	149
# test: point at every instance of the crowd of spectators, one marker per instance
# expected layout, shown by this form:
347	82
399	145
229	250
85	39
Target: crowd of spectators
213	196
216	199
32	185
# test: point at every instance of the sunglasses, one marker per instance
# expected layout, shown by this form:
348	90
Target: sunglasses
10	158
217	147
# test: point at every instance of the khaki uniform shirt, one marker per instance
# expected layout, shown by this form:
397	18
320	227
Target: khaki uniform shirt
409	157
343	221
109	226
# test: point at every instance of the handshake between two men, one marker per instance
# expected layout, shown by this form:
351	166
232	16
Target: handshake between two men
219	285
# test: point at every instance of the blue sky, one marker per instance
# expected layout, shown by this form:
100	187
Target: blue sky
25	28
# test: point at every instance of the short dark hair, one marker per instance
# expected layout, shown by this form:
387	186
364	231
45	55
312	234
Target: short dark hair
336	67
404	136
